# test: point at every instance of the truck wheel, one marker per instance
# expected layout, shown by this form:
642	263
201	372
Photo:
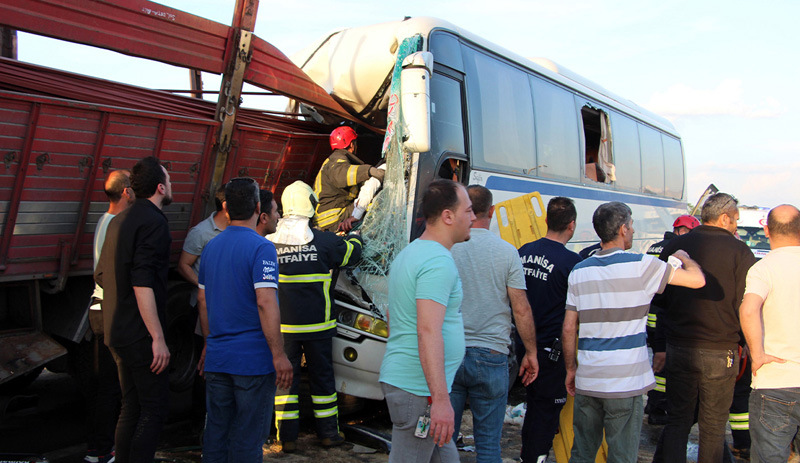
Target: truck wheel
184	346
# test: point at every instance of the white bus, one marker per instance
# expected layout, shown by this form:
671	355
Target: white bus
512	124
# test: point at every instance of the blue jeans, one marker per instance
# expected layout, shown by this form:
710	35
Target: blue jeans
774	421
698	376
405	409
239	409
620	418
483	377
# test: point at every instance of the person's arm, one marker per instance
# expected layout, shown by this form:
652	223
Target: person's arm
270	316
185	267
569	345
343	174
146	300
523	316
202	310
430	318
690	275
750	316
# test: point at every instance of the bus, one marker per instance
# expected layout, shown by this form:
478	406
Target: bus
512	124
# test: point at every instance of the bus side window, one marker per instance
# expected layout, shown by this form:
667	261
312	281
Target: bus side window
598	158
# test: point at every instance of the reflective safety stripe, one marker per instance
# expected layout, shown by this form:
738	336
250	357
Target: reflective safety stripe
307	278
323	399
739	421
318	180
283	415
352	175
347	254
326	413
661	384
308	328
330	216
651	320
285	399
325	279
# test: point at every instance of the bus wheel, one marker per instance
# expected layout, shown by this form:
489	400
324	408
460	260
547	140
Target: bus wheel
184	346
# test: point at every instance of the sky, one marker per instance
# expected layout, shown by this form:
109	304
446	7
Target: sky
724	72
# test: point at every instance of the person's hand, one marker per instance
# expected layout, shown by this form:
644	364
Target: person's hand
442	421
347	224
160	356
659	360
570	382
283	372
757	362
529	368
201	364
377	173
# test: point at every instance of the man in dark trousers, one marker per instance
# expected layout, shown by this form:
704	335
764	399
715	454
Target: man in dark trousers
702	329
308	260
338	180
133	274
102	391
656	398
546	263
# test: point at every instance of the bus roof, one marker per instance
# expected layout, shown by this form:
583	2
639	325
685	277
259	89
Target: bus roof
351	44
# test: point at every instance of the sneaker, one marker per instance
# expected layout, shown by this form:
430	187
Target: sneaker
334	441
93	456
288	446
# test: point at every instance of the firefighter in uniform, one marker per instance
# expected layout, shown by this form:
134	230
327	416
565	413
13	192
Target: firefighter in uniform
656	398
307	260
338	180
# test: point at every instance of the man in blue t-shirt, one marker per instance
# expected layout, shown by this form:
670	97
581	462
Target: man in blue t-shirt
546	263
426	331
239	315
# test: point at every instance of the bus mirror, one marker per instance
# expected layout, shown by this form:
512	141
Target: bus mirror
415	101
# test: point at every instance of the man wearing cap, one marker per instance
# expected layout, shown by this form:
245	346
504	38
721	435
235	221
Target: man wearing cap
656	398
338	180
309	261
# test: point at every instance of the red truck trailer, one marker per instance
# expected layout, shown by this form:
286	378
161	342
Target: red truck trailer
61	133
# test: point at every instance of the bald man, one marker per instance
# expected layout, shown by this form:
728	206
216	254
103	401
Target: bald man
770	318
102	388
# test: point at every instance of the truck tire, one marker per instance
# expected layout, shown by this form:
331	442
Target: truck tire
184	346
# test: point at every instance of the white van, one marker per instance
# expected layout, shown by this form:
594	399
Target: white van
751	229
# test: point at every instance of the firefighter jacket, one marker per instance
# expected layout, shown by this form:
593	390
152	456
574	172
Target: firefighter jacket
304	283
336	187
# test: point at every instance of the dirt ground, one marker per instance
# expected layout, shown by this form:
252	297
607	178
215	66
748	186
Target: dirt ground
375	418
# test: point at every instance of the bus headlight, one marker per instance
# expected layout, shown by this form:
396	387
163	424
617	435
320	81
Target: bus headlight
363	322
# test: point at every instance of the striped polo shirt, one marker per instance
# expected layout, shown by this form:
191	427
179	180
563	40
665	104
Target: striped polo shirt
611	291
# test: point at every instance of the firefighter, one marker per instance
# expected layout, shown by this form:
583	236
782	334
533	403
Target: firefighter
308	260
338	180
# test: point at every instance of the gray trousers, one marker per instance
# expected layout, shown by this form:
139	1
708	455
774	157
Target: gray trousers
405	409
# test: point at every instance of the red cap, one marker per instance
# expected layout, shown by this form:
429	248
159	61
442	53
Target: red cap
687	221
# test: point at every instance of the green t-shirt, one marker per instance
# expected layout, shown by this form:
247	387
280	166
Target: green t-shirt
423	270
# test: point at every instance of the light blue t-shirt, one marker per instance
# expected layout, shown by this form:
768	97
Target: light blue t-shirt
423	270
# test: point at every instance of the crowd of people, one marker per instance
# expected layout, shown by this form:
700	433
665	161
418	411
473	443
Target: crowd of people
459	296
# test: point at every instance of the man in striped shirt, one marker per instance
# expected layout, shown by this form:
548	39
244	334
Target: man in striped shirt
609	297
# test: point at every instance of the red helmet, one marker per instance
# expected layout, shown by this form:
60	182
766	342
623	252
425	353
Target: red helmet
341	137
687	221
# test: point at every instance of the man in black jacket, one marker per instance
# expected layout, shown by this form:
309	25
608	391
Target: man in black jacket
703	333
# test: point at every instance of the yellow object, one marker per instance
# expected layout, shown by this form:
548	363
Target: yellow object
521	219
562	443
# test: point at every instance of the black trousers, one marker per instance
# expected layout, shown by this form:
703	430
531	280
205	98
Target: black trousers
102	391
544	398
145	402
318	354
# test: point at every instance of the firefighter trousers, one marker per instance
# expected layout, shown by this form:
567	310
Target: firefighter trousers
319	362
